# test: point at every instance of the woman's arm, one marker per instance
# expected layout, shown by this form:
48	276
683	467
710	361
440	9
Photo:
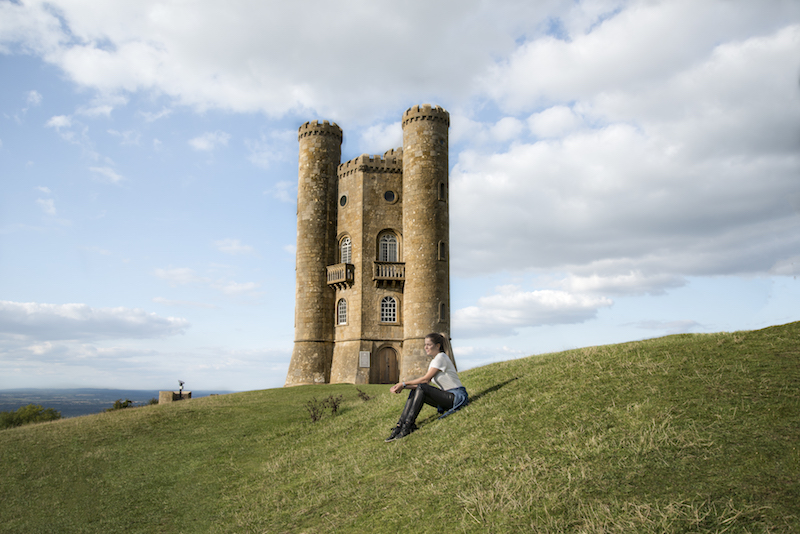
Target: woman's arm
412	384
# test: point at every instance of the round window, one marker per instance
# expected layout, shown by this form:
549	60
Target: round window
343	200
389	196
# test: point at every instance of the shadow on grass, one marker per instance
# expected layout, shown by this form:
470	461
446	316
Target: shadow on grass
472	398
478	396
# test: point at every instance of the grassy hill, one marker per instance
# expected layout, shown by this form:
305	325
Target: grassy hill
687	433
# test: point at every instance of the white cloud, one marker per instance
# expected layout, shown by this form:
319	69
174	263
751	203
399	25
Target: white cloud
43	189
151	116
233	246
102	105
210	140
59	121
787	267
555	121
506	129
51	322
238	61
106	174
382	137
125	366
47	205
632	283
511	308
34	98
637	48
666	180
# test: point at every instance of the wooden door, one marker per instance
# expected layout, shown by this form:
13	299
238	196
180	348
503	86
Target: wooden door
383	367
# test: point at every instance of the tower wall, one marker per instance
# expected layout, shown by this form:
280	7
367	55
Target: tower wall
320	154
426	230
364	181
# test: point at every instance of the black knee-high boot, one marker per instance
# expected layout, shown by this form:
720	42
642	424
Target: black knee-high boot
406	424
416	398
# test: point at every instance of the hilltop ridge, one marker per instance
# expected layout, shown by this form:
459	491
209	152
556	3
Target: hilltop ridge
687	433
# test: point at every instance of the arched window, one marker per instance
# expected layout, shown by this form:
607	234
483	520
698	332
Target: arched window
341	312
442	191
388	310
442	318
388	248
346	251
442	250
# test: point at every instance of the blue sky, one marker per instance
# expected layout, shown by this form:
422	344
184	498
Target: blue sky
620	170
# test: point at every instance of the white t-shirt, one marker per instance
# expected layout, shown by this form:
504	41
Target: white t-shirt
447	377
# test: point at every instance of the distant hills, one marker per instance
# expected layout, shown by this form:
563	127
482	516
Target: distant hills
80	401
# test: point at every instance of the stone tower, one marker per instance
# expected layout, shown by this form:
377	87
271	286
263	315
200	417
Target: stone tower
373	266
320	153
426	225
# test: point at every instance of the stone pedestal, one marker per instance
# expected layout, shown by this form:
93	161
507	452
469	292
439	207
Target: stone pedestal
172	396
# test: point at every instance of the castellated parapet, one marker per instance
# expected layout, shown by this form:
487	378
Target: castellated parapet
373	261
391	161
330	129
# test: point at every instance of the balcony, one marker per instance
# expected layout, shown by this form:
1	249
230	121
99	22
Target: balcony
341	275
389	274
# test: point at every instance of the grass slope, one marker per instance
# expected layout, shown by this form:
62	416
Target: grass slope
688	433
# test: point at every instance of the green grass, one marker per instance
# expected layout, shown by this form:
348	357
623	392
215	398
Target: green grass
688	433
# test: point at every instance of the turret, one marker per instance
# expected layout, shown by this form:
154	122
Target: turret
320	154
426	231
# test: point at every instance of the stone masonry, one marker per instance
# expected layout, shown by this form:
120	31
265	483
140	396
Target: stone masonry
373	261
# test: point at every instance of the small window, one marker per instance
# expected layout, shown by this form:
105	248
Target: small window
442	318
442	250
343	200
388	310
389	196
388	248
346	251
341	312
442	191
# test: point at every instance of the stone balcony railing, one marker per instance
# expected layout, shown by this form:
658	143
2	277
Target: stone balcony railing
388	273
341	275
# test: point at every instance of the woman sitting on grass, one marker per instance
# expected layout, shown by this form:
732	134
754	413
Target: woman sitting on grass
450	396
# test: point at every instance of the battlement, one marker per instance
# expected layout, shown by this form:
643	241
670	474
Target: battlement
390	162
426	112
394	152
320	128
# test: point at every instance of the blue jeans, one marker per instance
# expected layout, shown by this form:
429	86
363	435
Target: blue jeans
460	399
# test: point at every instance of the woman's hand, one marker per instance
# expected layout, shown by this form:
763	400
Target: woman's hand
397	388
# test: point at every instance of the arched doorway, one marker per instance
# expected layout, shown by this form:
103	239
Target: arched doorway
383	367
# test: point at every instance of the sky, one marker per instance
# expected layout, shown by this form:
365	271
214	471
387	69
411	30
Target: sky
619	170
